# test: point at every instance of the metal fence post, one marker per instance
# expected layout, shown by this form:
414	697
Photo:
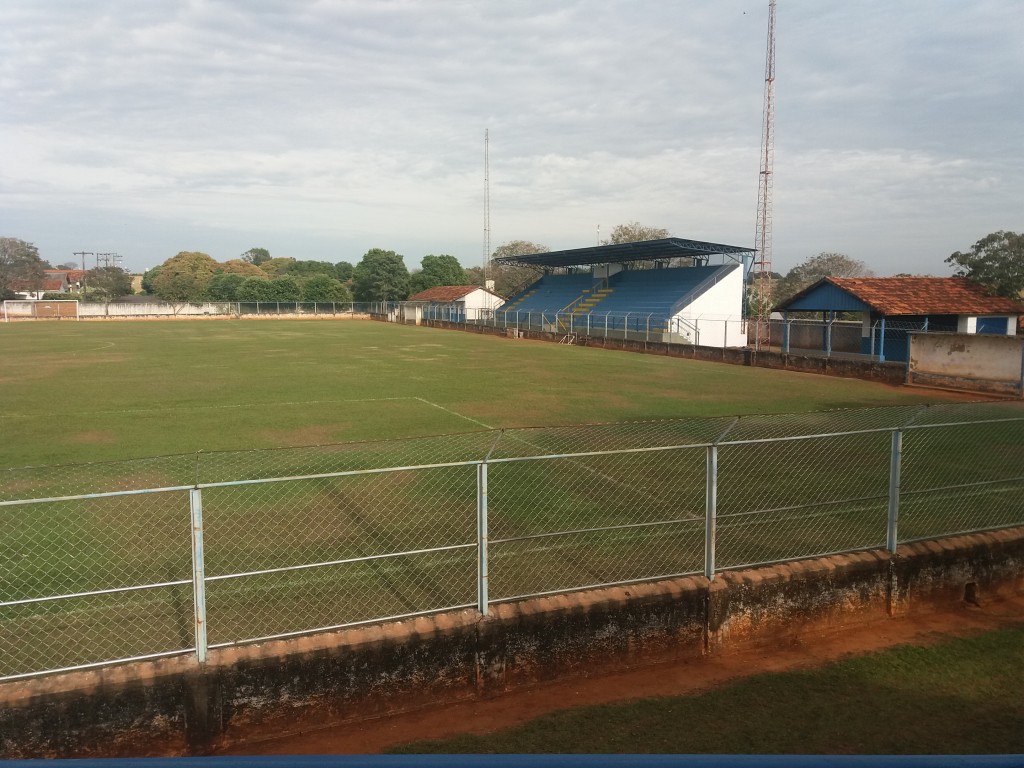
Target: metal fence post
195	502
710	511
481	537
895	460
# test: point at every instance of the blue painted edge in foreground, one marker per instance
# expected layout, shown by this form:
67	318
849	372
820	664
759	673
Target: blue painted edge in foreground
539	761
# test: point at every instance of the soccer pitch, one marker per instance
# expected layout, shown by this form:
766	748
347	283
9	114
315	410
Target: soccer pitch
100	391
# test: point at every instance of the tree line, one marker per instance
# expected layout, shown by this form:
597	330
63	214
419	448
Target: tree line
996	261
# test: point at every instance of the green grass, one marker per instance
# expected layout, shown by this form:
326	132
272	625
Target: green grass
91	391
961	696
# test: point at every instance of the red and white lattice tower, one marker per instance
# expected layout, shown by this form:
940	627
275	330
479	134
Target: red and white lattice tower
761	289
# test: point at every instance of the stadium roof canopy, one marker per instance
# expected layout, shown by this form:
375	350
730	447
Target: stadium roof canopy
646	250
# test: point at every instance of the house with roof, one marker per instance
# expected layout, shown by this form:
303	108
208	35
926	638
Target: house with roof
74	278
457	303
893	307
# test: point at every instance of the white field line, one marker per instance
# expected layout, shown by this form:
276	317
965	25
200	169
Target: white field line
218	407
453	413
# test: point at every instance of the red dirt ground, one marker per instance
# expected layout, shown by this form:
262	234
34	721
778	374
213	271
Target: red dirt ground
670	679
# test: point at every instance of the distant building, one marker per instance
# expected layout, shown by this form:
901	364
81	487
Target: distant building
892	307
458	303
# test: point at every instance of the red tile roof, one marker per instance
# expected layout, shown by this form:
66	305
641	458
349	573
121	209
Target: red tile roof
46	284
926	296
445	293
73	275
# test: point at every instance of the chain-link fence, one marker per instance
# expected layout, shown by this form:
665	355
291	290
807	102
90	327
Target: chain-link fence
112	561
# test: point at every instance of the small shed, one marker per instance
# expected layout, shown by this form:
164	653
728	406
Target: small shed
457	303
892	307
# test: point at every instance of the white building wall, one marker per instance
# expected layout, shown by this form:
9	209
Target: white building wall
480	300
715	318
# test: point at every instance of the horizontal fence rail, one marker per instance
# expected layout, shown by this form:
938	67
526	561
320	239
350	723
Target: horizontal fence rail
110	562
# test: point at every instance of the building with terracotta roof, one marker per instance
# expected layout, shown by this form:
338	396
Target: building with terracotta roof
457	303
892	307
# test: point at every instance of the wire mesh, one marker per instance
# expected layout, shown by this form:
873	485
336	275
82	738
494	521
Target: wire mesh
801	498
77	552
356	547
564	523
960	478
20	483
232	466
92	579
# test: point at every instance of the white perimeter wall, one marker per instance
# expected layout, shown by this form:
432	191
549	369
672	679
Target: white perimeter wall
718	313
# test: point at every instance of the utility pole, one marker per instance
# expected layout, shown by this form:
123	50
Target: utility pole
762	287
83	254
85	269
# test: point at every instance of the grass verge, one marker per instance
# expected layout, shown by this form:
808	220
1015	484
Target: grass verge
961	696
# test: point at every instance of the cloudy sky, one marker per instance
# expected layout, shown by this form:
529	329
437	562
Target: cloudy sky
321	128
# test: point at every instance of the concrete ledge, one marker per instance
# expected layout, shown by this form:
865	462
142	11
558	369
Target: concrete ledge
175	706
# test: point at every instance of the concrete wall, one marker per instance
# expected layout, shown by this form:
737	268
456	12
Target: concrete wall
968	361
175	706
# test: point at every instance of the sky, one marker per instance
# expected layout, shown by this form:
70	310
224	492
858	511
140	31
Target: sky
319	129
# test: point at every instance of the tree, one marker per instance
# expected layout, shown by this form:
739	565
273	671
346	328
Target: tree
107	283
437	270
184	277
21	269
255	289
286	288
996	262
241	267
344	271
256	256
813	269
325	288
634	232
277	266
147	280
381	276
307	268
509	279
224	286
69	265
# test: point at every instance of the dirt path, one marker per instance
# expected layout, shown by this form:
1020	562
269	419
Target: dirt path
658	680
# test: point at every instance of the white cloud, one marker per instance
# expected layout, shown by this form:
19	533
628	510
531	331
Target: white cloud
331	126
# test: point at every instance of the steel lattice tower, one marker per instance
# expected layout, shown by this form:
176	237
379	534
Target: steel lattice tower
487	205
761	293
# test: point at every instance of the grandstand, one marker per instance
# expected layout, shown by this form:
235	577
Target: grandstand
637	289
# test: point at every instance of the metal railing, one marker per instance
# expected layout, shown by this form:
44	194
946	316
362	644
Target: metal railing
108	562
26	310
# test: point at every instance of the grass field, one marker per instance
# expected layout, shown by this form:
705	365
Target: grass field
85	391
404	542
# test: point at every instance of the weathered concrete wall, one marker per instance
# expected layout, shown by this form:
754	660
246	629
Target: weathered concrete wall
968	361
175	706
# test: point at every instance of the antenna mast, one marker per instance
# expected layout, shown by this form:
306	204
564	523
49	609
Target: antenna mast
487	205
762	286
